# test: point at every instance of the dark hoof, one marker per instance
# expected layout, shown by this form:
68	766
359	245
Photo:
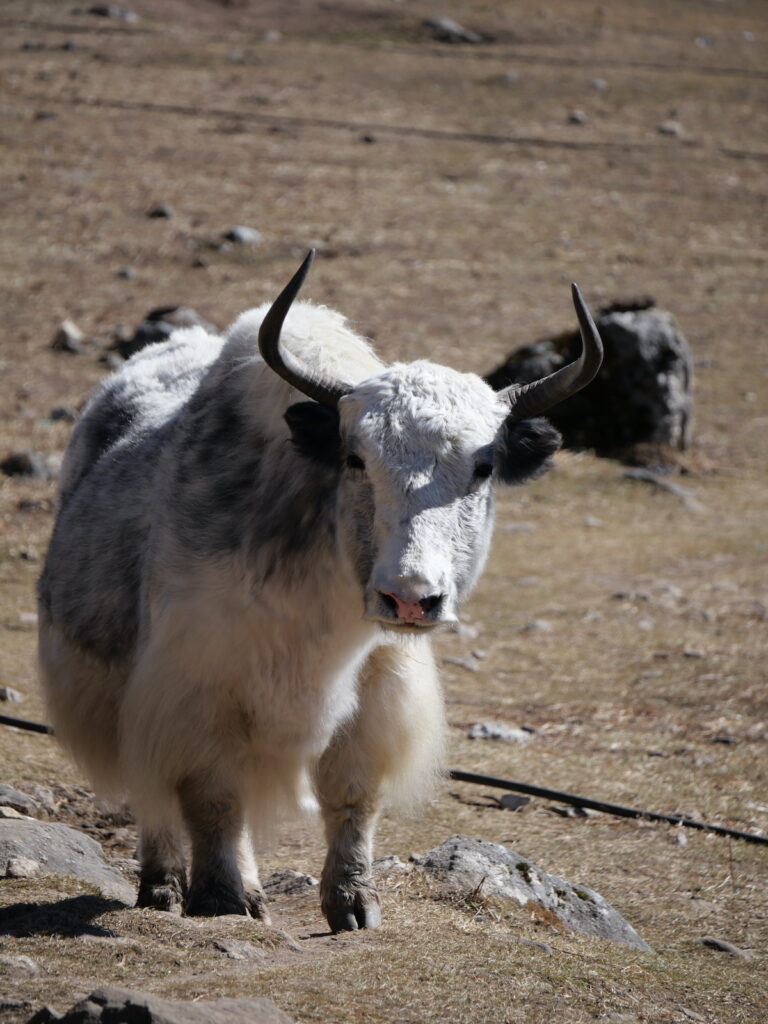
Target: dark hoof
215	901
167	894
350	911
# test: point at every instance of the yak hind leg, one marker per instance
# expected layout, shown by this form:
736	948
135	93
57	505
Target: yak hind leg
163	881
389	752
214	818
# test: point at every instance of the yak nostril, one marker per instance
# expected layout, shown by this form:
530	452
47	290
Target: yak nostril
431	604
389	601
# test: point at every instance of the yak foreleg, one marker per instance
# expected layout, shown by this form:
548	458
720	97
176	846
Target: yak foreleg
390	750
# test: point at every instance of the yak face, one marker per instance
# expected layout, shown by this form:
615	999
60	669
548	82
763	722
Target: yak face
418	448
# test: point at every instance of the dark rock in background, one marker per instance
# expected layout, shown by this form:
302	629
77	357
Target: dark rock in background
639	407
158	325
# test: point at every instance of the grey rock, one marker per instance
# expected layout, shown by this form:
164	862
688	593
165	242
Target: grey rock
639	407
243	235
68	338
43	797
446	30
288	883
669	128
521	527
158	325
599	84
10	797
111	1005
22	867
383	865
11	696
464	864
537	626
236	949
498	731
577	117
18	966
161	211
114	11
27	464
60	850
62	414
513	802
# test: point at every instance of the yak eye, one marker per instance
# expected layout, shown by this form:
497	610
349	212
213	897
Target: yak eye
483	470
355	462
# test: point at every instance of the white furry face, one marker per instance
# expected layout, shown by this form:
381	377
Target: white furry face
416	501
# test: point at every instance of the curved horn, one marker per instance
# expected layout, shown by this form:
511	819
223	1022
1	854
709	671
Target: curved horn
529	400
284	363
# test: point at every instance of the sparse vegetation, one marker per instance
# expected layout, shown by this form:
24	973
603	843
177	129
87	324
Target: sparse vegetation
454	234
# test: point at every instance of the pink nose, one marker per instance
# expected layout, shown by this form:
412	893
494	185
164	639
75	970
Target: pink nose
411	611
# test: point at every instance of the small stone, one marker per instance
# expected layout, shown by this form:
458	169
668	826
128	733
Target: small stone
510	77
272	35
498	731
243	235
383	865
28	464
748	37
577	117
711	942
703	42
537	626
593	522
236	949
522	527
62	414
669	128
527	581
114	11
161	210
446	30
7	693
692	652
479	654
10	797
599	84
465	630
9	812
22	867
681	839
19	966
45	115
288	883
126	273
68	338
367	137
513	801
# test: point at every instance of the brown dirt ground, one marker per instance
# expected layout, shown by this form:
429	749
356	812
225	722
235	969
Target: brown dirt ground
451	232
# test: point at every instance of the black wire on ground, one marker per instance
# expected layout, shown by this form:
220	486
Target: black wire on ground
601	805
19	723
523	787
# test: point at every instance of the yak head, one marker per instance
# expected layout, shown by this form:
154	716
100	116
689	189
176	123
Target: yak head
419	447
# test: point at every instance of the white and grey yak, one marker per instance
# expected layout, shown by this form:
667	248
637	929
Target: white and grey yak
256	536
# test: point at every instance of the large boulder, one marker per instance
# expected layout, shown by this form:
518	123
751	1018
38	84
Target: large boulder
45	848
465	864
639	406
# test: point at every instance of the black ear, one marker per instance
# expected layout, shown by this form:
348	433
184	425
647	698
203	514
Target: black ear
315	432
524	450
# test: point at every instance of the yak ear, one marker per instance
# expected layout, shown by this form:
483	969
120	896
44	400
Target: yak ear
524	450
315	432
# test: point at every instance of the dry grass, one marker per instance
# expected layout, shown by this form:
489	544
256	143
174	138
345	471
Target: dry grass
650	687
